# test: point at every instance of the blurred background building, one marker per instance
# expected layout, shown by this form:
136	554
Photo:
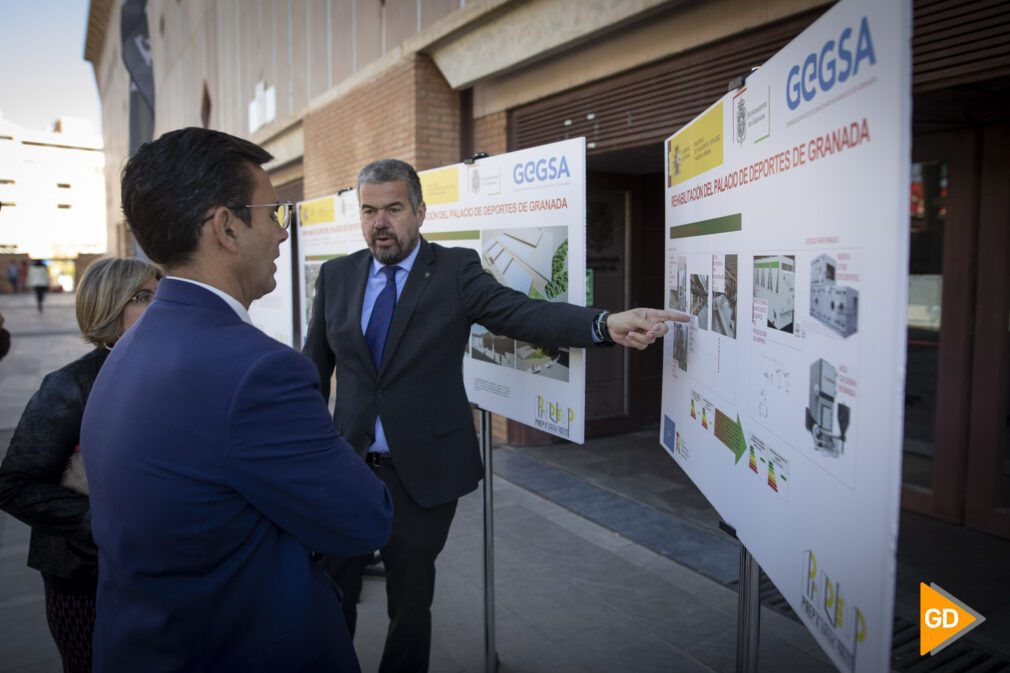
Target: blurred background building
328	85
52	196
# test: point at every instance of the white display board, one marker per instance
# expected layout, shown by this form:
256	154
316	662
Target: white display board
524	213
273	312
328	227
787	214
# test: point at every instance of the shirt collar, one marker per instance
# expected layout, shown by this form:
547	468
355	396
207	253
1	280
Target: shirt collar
239	309
406	264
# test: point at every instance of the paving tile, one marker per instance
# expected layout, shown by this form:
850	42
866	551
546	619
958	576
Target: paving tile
634	651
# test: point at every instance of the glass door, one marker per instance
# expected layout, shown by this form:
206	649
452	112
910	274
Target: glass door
608	211
940	311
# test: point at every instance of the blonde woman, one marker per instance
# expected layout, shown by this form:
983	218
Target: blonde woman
42	481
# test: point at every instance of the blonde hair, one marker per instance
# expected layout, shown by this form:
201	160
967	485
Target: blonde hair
106	288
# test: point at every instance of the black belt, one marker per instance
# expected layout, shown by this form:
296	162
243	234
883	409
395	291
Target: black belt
376	459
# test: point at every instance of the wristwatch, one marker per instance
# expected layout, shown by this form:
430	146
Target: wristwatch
600	329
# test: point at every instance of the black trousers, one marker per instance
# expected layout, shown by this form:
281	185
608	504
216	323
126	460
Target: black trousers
419	534
40	295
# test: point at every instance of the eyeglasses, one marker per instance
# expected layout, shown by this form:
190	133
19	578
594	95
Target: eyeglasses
142	297
281	214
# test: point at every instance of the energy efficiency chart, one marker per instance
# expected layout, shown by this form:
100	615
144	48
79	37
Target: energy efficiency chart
787	245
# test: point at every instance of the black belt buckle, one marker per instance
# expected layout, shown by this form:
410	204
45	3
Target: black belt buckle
376	459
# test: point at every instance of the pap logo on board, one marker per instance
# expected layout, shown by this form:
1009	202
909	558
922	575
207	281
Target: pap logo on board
554	416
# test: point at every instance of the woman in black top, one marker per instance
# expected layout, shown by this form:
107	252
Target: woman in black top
42	478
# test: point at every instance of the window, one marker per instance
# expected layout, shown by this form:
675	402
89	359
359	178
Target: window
7	182
63	185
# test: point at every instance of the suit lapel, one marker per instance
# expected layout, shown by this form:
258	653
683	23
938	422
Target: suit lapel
417	281
359	278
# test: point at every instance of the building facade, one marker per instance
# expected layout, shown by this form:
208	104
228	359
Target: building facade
328	85
52	193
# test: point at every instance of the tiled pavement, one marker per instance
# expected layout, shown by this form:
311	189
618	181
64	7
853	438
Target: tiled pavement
40	343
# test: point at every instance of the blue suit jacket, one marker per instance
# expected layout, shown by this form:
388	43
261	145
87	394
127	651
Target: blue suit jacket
214	469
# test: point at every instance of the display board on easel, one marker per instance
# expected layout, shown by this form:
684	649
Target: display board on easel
524	213
787	242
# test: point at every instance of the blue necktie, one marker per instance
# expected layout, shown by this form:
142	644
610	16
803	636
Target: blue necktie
382	316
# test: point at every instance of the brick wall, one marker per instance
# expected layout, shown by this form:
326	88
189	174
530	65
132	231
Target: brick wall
490	133
437	122
407	112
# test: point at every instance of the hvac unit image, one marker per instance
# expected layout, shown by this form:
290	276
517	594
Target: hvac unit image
837	306
821	412
775	282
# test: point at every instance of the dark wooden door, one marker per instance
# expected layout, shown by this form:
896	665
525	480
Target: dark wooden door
941	286
957	397
987	484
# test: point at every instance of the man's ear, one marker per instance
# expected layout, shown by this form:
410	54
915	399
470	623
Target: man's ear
421	210
222	229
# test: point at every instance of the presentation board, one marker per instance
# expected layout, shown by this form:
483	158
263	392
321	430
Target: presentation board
524	213
787	242
273	312
328	227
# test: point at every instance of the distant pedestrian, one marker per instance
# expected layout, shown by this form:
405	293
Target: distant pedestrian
42	480
12	276
38	280
23	276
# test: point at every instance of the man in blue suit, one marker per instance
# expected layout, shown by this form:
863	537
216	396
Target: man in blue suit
212	461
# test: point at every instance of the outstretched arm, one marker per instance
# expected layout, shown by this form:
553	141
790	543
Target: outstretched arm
639	327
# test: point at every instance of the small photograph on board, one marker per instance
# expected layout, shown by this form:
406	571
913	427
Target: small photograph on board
724	294
699	298
533	261
488	347
775	289
681	301
680	343
311	271
835	306
549	362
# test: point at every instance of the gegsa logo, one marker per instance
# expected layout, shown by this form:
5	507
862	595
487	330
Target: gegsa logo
541	170
835	63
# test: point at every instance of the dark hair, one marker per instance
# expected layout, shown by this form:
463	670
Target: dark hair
171	183
393	170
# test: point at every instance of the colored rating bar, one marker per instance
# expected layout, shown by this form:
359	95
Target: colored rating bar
730	433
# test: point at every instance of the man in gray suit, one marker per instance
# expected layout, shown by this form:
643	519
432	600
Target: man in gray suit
401	400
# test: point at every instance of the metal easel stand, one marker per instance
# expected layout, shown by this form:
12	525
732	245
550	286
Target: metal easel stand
748	616
490	653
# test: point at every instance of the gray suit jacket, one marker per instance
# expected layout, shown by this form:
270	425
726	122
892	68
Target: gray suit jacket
418	390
